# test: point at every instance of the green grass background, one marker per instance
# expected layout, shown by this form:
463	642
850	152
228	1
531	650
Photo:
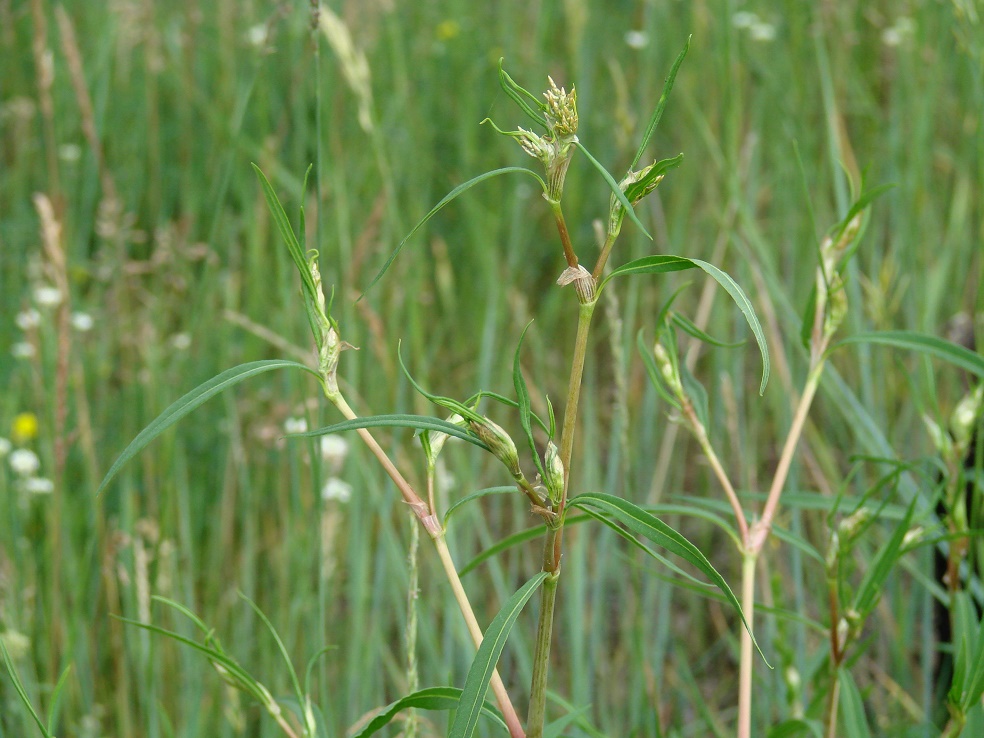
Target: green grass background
183	102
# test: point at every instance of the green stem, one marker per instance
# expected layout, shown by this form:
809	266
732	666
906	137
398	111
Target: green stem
541	652
832	707
603	256
552	547
748	563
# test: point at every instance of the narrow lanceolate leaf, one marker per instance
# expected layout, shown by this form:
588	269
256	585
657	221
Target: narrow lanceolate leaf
523	396
432	698
417	422
658	113
192	400
924	343
649	526
19	688
662	263
616	190
852	707
448	198
874	580
477	681
287	231
523	98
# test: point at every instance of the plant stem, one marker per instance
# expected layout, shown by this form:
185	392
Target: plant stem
433	527
748	562
541	652
565	236
606	249
705	444
552	547
760	531
832	707
502	697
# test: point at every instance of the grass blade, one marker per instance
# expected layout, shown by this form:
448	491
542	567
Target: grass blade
924	343
523	396
198	396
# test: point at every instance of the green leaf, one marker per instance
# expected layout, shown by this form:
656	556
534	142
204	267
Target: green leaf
690	328
21	692
287	231
516	539
523	396
516	93
643	547
658	113
504	490
923	343
192	400
418	422
796	727
873	583
616	190
697	394
860	204
554	729
463	409
645	524
662	263
480	672
448	198
432	698
636	190
852	707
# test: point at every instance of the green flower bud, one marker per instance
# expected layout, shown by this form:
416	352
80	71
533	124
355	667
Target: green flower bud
499	443
965	415
553	471
668	369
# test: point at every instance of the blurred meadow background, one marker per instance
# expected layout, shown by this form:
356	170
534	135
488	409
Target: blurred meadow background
138	259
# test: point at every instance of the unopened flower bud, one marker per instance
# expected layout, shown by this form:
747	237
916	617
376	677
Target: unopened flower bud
553	470
667	368
965	415
850	526
499	443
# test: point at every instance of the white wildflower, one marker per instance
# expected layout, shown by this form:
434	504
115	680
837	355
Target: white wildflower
17	644
336	489
82	322
762	32
47	296
24	462
257	35
181	341
38	486
22	350
70	152
899	32
637	39
28	319
744	19
334	449
295	425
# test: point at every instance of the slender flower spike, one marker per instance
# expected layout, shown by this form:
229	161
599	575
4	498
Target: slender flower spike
561	113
